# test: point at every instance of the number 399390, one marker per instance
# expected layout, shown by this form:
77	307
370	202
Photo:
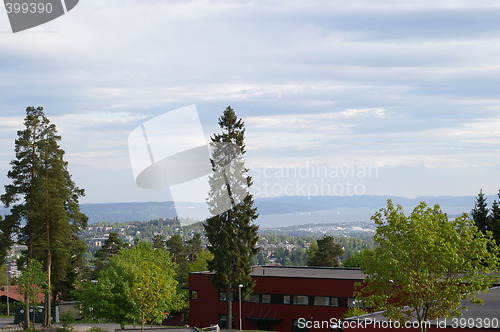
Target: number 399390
31	8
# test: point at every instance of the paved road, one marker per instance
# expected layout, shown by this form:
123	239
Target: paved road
7	324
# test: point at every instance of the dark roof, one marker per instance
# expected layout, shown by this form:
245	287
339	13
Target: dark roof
304	272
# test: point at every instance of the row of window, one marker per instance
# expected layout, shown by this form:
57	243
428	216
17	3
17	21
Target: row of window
326	301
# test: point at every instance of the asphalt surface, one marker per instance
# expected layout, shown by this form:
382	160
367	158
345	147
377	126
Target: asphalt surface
7	324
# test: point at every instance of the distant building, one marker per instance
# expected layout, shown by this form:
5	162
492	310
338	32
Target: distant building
282	296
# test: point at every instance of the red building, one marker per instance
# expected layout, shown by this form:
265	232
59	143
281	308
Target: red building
282	297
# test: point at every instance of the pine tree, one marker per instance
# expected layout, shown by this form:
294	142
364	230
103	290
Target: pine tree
326	254
231	233
44	198
480	213
194	247
111	247
179	253
158	242
494	220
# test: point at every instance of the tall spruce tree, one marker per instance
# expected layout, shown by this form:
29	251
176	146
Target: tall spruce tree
232	235
43	201
495	220
480	213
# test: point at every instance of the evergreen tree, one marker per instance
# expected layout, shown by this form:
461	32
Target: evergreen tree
158	242
194	247
111	247
43	201
495	220
179	255
327	253
232	235
480	213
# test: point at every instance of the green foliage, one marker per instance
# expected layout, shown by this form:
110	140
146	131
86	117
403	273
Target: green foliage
355	261
354	312
480	213
487	220
231	234
67	317
425	264
32	281
111	247
158	242
3	272
201	262
180	254
325	253
136	285
43	201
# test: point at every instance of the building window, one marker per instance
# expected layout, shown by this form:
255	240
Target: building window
223	321
300	299
266	298
254	298
334	301
299	326
351	302
322	300
194	295
223	296
286	299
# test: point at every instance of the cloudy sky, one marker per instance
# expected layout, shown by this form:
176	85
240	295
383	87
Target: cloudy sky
386	97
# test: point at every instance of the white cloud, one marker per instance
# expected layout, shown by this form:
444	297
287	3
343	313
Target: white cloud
341	82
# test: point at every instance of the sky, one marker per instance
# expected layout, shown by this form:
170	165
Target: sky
358	97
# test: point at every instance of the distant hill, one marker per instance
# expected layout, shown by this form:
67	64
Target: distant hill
283	211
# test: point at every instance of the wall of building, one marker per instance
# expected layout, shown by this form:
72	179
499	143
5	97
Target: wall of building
207	308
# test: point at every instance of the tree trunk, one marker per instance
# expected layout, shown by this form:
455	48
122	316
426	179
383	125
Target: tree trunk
26	322
48	294
229	308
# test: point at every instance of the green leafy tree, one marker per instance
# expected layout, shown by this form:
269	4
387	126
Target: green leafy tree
31	283
150	287
355	261
137	284
425	265
201	262
43	201
326	254
232	235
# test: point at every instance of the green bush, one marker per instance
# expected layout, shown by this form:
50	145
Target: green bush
353	312
67	317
